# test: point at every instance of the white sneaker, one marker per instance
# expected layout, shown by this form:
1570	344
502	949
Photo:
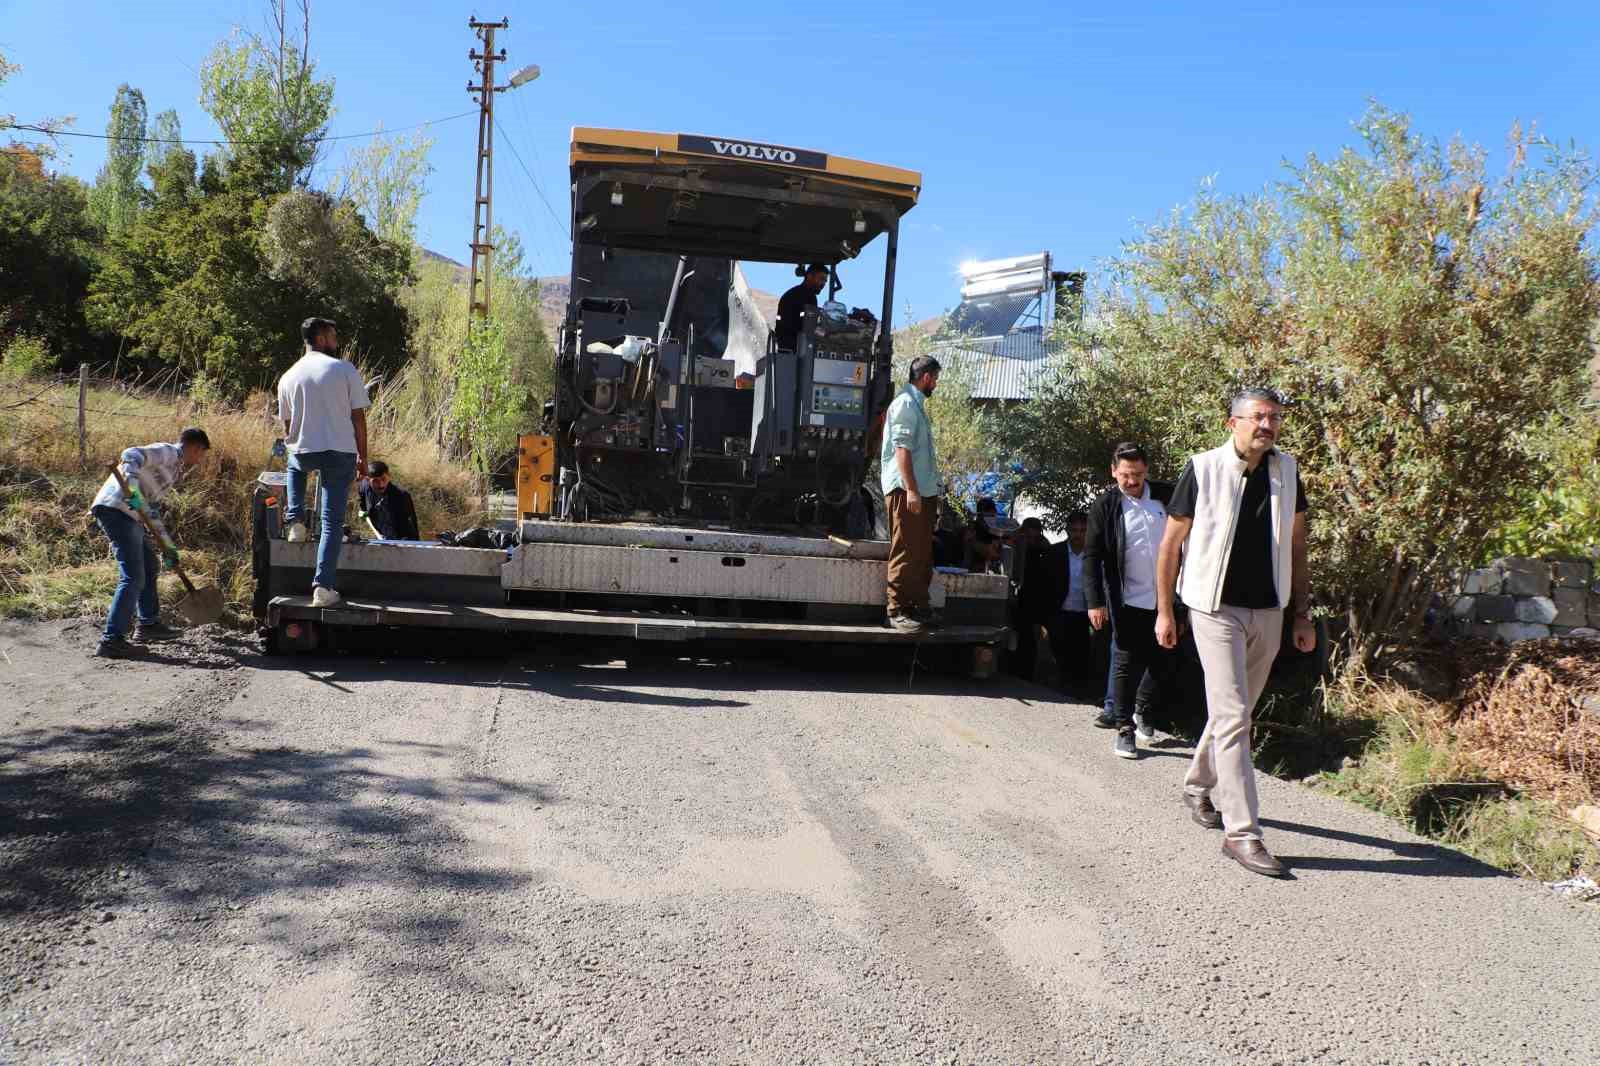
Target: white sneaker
296	534
321	597
1146	731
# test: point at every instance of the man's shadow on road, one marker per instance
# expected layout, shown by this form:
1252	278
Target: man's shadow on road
1411	859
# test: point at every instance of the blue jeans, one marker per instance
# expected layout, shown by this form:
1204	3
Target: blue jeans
338	471
138	566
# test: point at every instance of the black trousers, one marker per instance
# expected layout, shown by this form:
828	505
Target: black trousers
1135	653
1072	643
1023	660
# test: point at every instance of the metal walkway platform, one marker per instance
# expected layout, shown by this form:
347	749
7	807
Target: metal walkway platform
365	613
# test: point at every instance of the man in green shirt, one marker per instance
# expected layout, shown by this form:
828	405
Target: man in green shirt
909	470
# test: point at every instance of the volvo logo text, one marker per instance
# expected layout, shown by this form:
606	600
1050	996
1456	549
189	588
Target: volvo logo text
764	152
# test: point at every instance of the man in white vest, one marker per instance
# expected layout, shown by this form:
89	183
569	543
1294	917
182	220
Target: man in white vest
1234	551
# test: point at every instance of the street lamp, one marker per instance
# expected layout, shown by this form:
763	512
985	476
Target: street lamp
525	75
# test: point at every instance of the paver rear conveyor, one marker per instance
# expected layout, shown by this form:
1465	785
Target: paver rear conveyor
620	581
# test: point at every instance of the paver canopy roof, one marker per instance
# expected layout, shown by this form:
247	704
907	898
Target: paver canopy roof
694	195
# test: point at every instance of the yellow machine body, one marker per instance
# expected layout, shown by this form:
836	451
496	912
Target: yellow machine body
536	475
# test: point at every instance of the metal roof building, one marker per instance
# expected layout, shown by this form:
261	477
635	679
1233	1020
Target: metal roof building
999	335
1000	368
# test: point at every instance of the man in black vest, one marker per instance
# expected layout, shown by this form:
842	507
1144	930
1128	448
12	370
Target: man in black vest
1234	559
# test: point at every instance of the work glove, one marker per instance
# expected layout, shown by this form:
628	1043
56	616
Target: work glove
278	449
169	556
135	500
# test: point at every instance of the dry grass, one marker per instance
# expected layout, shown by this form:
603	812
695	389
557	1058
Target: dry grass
1521	717
1494	770
54	562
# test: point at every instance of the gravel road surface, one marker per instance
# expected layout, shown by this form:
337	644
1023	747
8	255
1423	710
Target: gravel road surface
562	858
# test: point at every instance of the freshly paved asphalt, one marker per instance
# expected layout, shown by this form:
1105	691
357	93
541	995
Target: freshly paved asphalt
559	857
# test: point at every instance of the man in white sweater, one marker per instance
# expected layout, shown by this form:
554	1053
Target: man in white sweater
1234	551
150	471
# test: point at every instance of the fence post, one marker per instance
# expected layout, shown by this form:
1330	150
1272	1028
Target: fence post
83	439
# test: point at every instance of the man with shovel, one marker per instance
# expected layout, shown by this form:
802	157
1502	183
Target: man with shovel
149	473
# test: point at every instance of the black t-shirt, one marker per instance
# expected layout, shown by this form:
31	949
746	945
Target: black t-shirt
1250	582
790	306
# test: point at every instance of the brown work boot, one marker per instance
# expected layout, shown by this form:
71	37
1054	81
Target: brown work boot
1254	856
1202	811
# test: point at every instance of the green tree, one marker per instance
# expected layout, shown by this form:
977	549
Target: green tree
427	392
165	140
263	91
215	280
517	308
115	201
488	402
420	396
1423	315
46	244
386	179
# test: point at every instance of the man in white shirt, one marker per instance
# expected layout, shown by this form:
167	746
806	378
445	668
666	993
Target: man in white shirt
323	403
1126	525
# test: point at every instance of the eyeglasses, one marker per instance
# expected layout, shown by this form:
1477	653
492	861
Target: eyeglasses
1270	418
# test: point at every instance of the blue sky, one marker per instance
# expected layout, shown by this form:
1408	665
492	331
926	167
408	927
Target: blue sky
1036	126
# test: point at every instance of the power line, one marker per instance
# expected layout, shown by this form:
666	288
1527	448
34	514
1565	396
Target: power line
554	232
536	186
47	131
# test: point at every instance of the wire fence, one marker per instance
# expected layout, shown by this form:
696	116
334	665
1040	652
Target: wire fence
144	398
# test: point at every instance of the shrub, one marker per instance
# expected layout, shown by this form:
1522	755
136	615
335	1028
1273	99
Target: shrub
26	356
1422	315
1560	513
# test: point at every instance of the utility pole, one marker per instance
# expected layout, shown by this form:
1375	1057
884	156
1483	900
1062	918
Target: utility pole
483	197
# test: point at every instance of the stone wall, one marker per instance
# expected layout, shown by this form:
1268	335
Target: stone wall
1525	599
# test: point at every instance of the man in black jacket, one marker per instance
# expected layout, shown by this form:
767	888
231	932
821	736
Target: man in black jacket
1126	524
388	506
1069	631
1044	584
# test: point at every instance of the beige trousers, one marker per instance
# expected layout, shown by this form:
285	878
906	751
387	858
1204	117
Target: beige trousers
1236	649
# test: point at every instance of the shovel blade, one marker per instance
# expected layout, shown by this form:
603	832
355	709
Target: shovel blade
201	607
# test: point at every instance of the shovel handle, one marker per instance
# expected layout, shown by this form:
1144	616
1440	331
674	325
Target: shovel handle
122	483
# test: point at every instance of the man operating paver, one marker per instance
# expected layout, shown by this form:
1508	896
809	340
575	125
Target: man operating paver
323	403
911	493
150	472
1234	554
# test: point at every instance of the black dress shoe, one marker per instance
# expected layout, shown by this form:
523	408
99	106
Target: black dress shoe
1202	811
1254	856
